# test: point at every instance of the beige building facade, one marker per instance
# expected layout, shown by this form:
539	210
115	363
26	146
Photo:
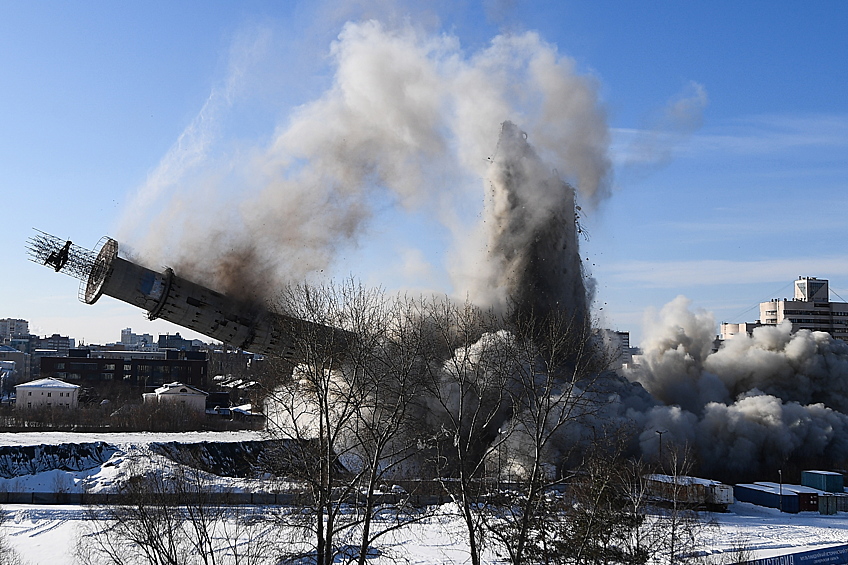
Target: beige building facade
178	394
809	309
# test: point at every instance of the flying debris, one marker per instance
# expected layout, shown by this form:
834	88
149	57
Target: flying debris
58	260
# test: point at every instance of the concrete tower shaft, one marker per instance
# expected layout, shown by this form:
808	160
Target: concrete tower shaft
170	297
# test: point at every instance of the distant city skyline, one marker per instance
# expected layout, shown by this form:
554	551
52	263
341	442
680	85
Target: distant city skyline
726	130
127	336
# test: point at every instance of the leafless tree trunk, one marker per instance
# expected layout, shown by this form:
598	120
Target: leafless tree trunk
351	401
553	394
170	517
385	432
680	521
8	555
469	367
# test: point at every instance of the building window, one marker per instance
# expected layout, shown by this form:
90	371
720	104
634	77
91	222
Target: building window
109	367
127	368
60	365
49	394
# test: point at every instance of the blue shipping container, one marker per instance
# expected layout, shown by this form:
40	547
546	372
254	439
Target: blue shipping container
768	497
823	480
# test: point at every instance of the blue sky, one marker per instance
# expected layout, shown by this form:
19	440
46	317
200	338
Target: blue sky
727	207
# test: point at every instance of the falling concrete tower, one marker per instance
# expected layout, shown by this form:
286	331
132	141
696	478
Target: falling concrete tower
169	297
533	227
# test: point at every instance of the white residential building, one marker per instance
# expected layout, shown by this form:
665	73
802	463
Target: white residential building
189	397
47	392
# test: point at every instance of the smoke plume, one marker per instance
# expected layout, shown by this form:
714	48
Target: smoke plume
409	124
750	407
533	249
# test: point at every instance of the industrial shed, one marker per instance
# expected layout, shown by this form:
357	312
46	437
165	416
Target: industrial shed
808	498
769	497
827	481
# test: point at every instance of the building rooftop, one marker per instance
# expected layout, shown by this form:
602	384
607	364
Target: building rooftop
49	382
171	388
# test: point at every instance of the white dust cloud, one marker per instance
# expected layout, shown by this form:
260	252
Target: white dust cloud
752	405
408	122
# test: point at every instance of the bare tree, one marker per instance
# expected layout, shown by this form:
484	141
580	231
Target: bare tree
8	555
469	367
600	524
349	401
553	392
174	516
648	538
385	433
678	518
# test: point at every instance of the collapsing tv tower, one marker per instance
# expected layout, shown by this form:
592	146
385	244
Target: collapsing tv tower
169	297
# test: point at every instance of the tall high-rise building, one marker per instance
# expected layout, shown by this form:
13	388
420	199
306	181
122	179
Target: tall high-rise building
132	340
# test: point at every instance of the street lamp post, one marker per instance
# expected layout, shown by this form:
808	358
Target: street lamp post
661	432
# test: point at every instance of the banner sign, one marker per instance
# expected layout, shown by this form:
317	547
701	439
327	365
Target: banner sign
836	555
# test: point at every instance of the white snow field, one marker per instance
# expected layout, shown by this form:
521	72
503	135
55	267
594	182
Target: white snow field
47	534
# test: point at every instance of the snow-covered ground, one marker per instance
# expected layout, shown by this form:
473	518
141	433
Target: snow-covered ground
132	453
47	534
